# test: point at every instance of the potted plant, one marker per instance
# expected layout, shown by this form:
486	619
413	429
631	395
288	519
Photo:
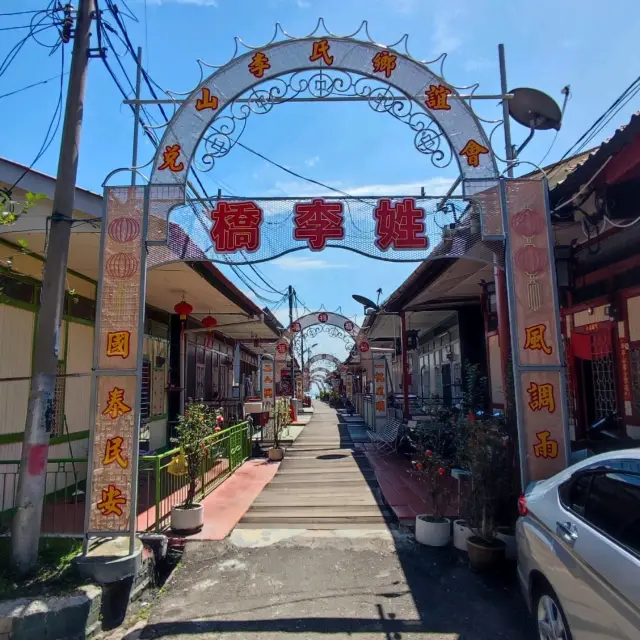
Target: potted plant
433	468
192	429
490	477
281	420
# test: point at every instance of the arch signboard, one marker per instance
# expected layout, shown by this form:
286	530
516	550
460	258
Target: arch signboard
137	233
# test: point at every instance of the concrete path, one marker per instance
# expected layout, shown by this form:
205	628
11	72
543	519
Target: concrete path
323	483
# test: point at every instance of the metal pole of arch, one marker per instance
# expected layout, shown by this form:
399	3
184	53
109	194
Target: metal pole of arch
502	301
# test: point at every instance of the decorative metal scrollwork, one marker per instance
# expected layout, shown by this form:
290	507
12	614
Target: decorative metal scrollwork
228	127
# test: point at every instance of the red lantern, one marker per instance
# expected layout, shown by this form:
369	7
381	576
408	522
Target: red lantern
527	223
121	266
364	346
323	317
123	229
183	309
531	259
209	322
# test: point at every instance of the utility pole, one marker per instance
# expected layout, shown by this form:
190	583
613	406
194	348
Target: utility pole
25	534
291	352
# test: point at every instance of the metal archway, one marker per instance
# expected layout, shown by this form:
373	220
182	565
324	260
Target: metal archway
318	357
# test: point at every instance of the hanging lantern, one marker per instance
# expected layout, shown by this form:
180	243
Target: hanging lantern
209	322
527	223
183	309
533	261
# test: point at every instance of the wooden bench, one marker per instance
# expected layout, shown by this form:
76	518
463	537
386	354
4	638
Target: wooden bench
385	441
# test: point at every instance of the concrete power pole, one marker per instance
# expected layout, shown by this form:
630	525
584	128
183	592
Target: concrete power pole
26	524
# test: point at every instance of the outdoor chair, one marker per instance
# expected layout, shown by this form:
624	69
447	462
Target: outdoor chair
386	440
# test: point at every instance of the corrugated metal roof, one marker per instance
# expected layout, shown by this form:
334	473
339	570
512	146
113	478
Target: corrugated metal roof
586	170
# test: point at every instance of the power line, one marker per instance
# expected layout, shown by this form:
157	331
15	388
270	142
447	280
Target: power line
49	136
30	86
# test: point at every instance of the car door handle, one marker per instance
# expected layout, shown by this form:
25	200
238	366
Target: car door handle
568	531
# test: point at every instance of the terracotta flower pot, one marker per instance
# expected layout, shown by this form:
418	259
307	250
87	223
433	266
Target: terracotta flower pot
484	555
187	519
276	454
433	532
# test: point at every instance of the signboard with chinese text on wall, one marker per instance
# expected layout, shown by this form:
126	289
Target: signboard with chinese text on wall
114	438
535	329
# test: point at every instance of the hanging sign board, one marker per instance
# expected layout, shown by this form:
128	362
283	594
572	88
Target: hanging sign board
299	394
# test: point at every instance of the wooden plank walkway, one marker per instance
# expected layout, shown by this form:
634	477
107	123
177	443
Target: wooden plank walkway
322	483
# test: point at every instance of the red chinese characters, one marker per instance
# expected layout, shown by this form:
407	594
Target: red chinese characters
318	222
236	226
400	226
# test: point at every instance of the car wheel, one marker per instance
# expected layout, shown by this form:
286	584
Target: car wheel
550	618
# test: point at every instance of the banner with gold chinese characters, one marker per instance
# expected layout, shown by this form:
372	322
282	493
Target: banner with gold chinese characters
543	423
116	387
268	373
380	387
111	483
535	319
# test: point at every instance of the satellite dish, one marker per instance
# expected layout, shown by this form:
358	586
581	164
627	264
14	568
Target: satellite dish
366	302
534	109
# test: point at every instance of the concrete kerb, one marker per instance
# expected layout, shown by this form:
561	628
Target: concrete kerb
76	615
83	612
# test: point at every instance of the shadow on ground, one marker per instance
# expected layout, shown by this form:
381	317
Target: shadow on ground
344	584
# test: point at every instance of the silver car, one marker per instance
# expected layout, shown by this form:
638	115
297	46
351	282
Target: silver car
578	541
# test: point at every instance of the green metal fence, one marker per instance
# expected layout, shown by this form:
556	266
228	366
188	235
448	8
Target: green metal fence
158	490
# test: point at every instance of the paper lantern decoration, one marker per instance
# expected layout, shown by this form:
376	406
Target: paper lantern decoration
183	309
527	223
209	322
364	346
533	261
121	266
124	229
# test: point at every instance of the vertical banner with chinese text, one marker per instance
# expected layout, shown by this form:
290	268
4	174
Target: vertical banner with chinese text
299	394
350	386
116	386
535	331
380	391
267	385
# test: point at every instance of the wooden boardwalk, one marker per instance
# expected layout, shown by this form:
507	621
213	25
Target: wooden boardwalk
323	483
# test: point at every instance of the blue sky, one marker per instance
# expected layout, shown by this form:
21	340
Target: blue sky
549	44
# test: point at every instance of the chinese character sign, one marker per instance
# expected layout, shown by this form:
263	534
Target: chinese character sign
121	279
544	440
535	322
299	392
380	387
113	447
349	385
268	381
111	496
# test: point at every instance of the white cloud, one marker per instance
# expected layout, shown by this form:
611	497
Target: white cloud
433	186
303	4
302	263
478	64
196	3
310	162
445	38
